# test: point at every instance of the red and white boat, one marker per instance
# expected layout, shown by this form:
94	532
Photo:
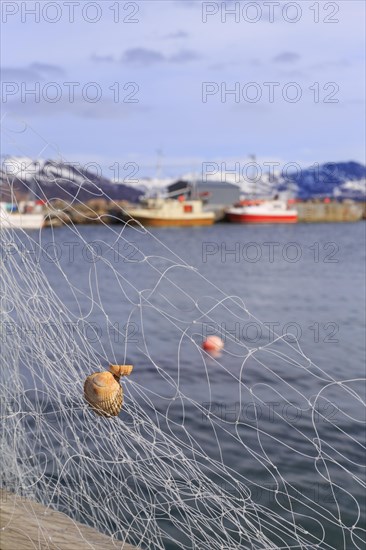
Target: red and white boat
266	211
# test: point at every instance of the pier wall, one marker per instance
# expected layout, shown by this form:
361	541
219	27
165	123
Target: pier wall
26	524
330	212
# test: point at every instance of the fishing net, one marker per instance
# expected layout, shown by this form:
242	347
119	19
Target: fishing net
204	452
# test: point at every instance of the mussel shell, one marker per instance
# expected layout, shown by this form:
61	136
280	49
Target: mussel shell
103	393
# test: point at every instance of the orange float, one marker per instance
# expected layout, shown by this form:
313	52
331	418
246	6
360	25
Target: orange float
213	344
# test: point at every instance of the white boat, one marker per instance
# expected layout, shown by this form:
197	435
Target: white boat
170	212
266	211
23	219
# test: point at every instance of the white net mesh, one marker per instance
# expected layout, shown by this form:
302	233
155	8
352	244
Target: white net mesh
201	457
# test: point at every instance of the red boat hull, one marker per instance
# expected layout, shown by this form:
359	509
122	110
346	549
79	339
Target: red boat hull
261	218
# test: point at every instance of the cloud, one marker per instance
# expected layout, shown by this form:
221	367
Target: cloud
293	74
183	56
34	72
255	62
146	57
142	56
223	65
324	65
102	58
286	57
189	3
219	66
177	34
47	68
20	73
106	108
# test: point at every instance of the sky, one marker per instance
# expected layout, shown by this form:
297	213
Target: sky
178	83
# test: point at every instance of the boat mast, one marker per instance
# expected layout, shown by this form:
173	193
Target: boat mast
252	177
159	155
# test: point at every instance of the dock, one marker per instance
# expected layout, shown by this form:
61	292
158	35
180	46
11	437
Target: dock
332	211
27	524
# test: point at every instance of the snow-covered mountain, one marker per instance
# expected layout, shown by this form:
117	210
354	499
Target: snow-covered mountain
338	180
48	179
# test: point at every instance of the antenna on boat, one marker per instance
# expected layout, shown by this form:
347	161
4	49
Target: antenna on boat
159	155
194	190
253	159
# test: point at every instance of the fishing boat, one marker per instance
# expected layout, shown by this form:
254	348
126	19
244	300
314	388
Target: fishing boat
29	216
170	212
266	211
